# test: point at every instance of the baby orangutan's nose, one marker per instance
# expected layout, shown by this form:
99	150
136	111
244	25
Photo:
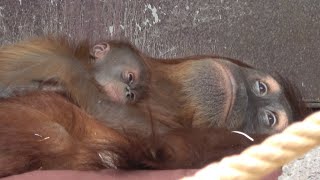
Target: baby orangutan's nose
129	94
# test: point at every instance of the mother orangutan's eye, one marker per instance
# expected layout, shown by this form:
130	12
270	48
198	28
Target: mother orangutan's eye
260	88
269	118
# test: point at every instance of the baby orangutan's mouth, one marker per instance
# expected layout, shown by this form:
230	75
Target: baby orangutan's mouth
114	93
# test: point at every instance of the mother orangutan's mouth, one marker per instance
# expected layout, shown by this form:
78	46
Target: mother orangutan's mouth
230	86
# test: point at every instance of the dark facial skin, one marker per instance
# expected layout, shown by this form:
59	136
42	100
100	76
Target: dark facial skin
270	110
221	93
259	96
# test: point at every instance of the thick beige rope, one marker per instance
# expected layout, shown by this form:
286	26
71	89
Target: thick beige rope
260	160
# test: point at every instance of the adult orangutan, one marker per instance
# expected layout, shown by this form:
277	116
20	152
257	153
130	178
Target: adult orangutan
42	130
113	80
153	113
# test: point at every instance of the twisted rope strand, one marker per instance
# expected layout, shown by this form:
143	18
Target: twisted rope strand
259	160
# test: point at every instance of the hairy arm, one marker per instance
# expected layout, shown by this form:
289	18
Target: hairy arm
43	59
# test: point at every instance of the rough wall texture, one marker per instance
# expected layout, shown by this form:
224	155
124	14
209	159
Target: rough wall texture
306	167
280	36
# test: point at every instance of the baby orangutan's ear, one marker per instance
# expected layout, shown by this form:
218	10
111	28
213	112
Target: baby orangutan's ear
99	51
